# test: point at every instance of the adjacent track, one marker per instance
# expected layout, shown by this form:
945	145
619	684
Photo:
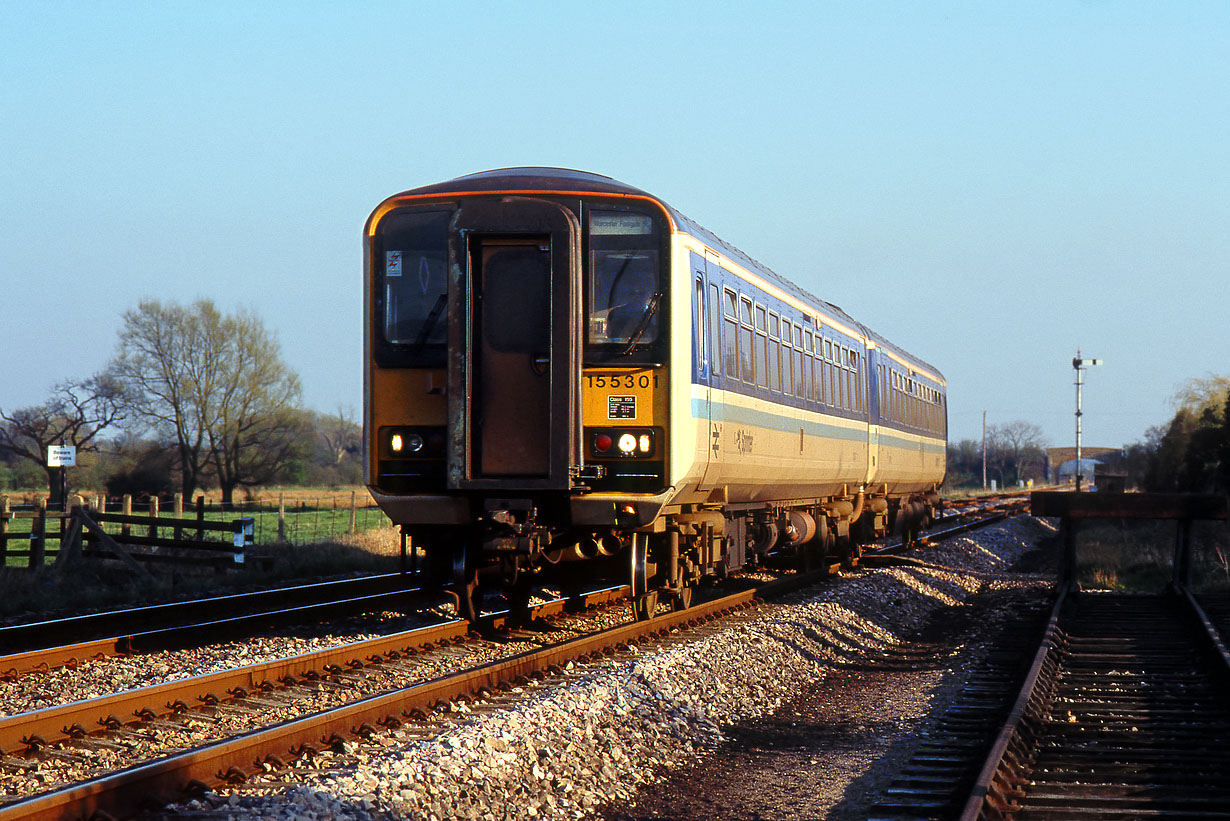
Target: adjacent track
60	642
174	777
53	732
1125	714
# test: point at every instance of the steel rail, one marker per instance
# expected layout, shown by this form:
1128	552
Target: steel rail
1143	728
170	779
22	638
60	723
195	633
990	785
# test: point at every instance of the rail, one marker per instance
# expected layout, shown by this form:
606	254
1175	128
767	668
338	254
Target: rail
172	778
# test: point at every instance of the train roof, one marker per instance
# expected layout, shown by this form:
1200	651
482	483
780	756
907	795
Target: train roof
567	180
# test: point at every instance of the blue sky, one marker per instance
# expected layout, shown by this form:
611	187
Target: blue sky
991	185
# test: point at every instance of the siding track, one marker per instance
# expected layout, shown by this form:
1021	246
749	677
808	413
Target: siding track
1128	717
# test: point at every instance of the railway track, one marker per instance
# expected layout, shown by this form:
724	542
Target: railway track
53	643
176	774
1125	714
155	721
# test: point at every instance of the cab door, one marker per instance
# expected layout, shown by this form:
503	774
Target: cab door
514	288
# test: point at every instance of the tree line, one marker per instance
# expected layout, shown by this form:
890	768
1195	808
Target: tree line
1189	454
197	398
1015	452
193	398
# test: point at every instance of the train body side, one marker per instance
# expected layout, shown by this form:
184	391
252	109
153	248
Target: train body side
823	408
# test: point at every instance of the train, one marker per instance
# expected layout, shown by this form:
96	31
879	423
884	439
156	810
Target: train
563	372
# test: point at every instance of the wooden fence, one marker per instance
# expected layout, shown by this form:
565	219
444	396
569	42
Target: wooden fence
151	538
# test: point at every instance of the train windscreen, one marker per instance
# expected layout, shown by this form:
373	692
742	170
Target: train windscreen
625	293
413	247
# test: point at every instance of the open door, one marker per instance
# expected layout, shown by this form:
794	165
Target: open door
515	288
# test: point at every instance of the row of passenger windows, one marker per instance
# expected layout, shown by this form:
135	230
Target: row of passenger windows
766	350
911	402
769	351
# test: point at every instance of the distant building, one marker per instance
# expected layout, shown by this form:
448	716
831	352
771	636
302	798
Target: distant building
1061	463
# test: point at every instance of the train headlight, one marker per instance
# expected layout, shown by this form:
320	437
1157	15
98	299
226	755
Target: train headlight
405	443
623	443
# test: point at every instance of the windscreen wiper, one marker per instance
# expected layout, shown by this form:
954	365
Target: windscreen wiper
429	323
643	324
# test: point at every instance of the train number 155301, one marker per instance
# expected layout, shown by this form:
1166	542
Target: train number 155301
622	380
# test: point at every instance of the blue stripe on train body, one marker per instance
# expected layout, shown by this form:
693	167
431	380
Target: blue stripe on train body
873	357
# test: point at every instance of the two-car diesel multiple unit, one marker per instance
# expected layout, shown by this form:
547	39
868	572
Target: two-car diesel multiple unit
561	367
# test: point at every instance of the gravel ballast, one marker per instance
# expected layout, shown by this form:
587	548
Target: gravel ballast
584	744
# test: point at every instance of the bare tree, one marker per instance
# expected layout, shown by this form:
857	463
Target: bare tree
216	384
1022	442
342	434
256	432
76	414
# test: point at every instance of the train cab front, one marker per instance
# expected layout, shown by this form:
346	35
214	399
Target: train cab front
516	391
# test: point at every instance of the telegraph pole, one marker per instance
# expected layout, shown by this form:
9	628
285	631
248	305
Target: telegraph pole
1079	365
984	450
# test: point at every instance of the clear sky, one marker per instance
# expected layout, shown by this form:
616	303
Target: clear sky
990	185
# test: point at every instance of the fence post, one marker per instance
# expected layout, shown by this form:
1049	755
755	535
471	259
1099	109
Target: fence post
4	531
200	517
353	520
153	517
125	528
38	535
177	533
281	517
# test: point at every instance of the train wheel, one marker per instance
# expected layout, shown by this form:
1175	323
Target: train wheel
466	587
645	605
518	587
644	600
682	600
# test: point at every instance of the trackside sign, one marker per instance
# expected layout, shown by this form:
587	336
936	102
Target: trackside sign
61	456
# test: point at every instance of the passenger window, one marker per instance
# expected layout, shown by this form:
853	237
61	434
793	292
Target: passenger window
701	325
746	338
730	342
805	360
715	327
858	382
775	354
762	350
